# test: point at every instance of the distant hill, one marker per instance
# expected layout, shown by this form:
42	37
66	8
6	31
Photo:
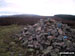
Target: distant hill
66	17
24	19
20	19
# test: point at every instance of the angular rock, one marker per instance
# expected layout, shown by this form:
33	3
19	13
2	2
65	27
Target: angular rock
47	38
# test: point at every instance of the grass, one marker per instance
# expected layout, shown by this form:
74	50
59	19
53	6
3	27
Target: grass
7	44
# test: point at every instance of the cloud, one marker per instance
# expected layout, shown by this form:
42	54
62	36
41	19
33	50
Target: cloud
2	3
40	7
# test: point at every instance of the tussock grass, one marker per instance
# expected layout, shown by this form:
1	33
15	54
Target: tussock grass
6	46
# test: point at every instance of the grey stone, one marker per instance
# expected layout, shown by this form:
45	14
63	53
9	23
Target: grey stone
47	37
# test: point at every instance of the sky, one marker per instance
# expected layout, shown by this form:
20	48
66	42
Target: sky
38	7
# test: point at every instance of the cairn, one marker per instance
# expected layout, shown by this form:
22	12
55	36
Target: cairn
47	38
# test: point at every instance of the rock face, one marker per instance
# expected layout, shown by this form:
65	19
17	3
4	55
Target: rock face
47	38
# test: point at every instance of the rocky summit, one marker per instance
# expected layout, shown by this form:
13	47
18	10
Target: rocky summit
46	38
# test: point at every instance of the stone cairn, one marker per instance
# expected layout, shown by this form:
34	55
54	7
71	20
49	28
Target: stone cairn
47	38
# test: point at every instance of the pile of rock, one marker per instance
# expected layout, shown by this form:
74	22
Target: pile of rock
47	38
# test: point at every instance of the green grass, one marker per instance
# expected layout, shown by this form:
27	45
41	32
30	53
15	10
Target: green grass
7	44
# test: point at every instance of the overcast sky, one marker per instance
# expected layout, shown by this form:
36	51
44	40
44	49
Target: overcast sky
39	7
